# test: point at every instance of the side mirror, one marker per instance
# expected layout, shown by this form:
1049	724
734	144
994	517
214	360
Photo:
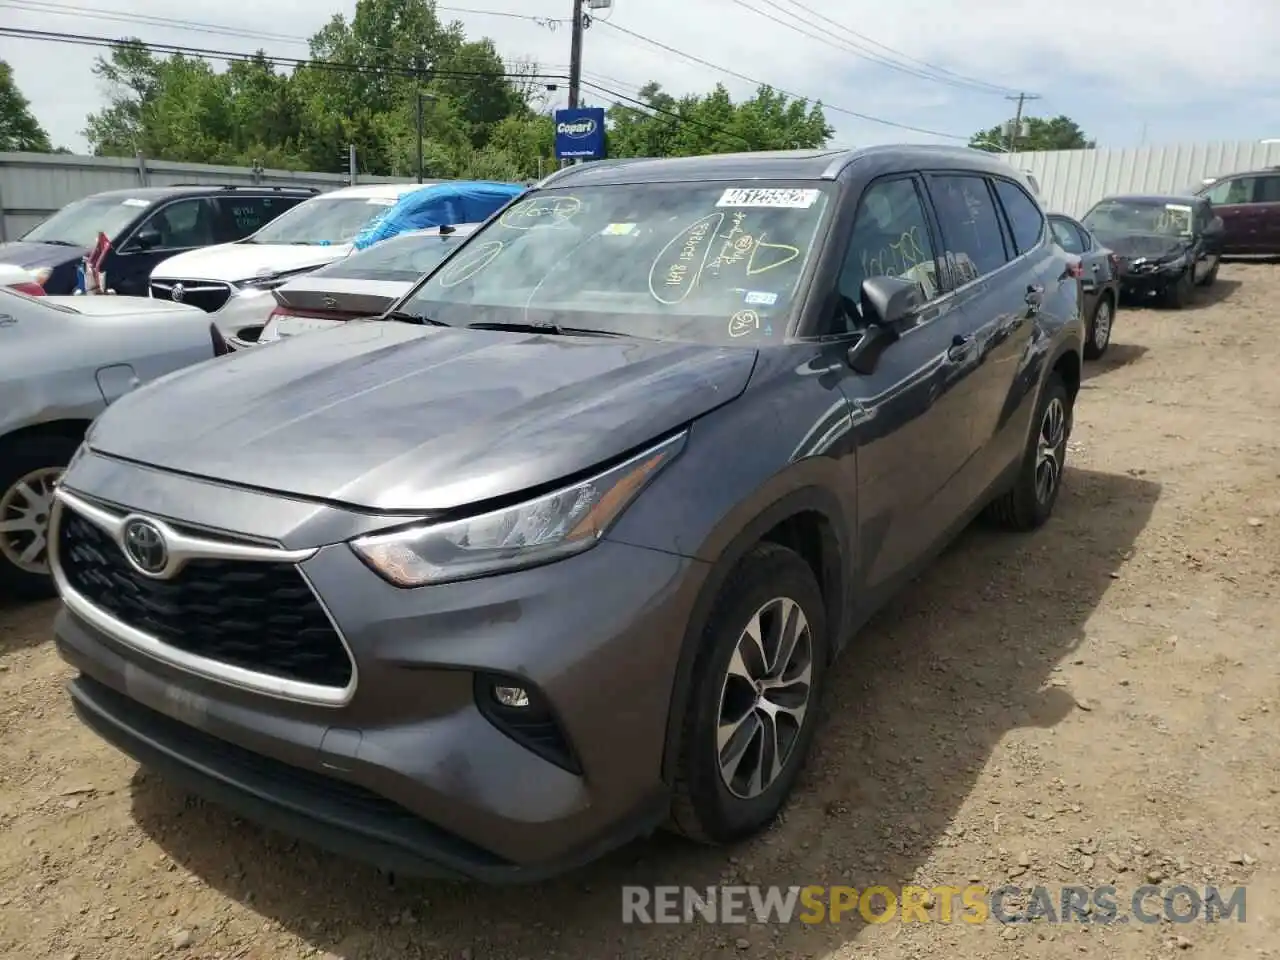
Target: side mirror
148	238
886	303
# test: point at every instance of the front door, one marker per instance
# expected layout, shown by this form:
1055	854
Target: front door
910	418
1232	200
172	229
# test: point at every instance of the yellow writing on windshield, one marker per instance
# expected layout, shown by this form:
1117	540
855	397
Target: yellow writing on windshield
678	267
470	262
541	212
896	258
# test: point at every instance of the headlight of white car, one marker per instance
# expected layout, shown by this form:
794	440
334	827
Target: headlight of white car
538	531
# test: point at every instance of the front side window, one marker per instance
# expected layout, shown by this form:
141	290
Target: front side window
1025	219
890	238
322	221
1138	216
709	262
78	224
1235	190
970	224
183	224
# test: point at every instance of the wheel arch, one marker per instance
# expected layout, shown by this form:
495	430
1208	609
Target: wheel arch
809	521
73	428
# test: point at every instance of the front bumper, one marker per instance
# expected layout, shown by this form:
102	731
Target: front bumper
1137	282
410	773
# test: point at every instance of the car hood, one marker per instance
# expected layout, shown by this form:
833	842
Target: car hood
390	416
234	262
1143	246
36	255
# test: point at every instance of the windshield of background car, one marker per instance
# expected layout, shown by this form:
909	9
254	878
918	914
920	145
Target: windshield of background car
401	259
321	221
1140	216
711	262
78	224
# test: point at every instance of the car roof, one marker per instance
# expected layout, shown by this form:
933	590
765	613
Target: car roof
383	191
1183	198
775	165
195	189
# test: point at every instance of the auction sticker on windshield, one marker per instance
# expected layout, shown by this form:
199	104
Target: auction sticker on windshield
747	197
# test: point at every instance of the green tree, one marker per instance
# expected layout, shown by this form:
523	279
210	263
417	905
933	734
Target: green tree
19	129
1057	133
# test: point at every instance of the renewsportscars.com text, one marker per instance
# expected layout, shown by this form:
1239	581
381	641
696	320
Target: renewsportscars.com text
971	904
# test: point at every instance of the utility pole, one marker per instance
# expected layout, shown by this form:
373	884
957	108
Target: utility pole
351	164
575	55
1017	119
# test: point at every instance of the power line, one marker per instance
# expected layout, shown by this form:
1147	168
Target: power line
354	68
761	83
935	73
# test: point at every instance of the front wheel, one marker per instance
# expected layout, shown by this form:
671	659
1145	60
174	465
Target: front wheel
1099	329
1030	501
29	471
753	699
1208	279
1178	294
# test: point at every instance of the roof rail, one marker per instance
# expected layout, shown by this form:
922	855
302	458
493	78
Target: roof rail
246	186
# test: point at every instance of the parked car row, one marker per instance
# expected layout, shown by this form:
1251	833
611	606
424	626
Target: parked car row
560	545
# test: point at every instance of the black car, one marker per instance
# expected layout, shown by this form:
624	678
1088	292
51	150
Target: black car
145	226
1099	270
562	546
1166	246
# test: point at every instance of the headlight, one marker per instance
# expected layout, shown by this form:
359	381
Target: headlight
548	528
1177	263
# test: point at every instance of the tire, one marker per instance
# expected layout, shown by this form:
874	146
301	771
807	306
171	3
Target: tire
1100	332
1024	506
1178	294
1208	279
708	806
28	465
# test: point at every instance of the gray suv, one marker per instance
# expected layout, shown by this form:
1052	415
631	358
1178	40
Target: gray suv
561	548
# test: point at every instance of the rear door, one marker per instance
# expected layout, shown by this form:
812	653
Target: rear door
1268	203
1233	201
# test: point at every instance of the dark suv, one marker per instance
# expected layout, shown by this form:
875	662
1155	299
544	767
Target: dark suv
145	226
562	547
1249	205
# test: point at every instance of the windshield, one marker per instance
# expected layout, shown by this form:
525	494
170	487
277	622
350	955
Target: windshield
711	262
321	221
78	224
403	259
1140	216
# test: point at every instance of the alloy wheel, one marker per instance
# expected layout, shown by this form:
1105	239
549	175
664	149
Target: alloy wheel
1049	449
1102	326
765	698
24	520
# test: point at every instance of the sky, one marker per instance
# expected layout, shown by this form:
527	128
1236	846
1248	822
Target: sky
1144	72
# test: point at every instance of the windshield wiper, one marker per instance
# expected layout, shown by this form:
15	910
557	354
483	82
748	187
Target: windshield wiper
554	329
56	243
404	316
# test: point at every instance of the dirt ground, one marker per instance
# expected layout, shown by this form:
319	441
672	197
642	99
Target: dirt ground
1093	704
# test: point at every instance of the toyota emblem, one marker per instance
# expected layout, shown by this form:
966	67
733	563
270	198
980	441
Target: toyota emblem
145	547
177	293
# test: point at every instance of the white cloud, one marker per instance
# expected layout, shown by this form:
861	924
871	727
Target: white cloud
1096	60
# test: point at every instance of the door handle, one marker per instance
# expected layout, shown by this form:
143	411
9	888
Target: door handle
1097	267
960	346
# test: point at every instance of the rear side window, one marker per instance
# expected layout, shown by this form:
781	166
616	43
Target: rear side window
246	215
1268	190
1025	220
1067	236
971	234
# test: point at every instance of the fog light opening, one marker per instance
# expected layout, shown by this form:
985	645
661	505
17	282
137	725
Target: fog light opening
514	697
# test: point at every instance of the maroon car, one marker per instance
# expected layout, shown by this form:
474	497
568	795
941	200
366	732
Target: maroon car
1249	205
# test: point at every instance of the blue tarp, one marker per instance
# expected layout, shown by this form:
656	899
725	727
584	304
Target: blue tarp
465	201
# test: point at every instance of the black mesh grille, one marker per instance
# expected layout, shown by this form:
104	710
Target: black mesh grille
259	616
198	293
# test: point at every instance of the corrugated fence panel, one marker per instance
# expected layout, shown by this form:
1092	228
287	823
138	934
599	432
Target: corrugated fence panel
35	185
1074	180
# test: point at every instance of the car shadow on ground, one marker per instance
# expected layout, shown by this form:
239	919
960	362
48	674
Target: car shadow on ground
1221	291
963	658
24	623
1118	355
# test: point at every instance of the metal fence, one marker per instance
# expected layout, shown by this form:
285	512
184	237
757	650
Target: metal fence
1074	180
35	185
